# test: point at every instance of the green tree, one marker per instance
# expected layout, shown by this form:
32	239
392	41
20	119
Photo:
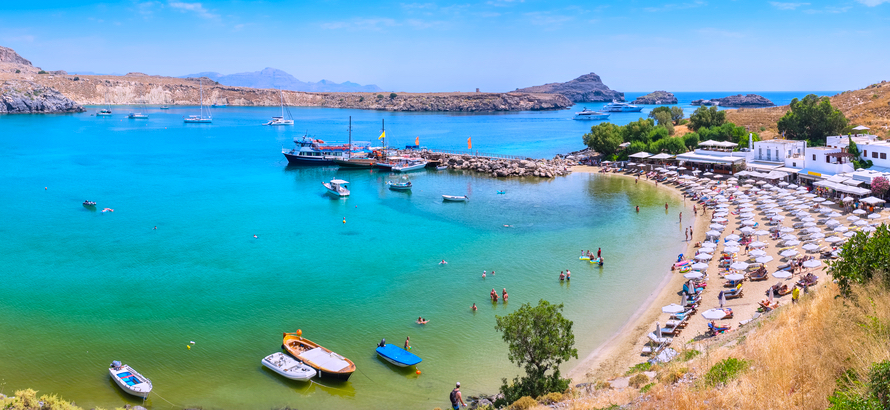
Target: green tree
663	119
812	119
604	138
638	130
676	114
539	339
658	133
673	145
653	114
862	258
691	140
704	117
637	146
392	96
743	141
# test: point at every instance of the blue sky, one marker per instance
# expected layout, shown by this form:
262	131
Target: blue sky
497	45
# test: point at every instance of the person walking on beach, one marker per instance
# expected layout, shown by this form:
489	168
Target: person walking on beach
681	218
795	294
687	234
456	399
665	206
694	211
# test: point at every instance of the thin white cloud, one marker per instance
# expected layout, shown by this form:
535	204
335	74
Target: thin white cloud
710	31
504	3
872	3
196	8
544	18
828	10
676	6
787	6
368	24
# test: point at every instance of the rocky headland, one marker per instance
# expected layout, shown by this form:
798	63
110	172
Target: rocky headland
750	100
656	97
25	97
586	88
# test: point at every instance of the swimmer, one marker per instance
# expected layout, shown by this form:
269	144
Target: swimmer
665	206
155	228
443	262
638	209
562	276
483	274
492	273
254	237
568	275
474	307
422	321
407	345
505	295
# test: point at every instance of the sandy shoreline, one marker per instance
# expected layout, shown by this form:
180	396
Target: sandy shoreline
621	350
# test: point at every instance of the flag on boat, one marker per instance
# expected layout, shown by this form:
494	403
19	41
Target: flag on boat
470	143
416	140
382	135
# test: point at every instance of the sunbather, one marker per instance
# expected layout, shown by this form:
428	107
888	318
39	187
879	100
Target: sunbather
717	329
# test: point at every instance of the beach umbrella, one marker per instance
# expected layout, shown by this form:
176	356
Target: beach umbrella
841	228
812	229
788	237
749	222
810	247
812	263
860	223
746	215
809	224
757	252
852	218
778	218
764	259
786	229
730	243
673	308
758	244
817	236
833	214
819	200
769	294
832	222
866	229
761	232
849	234
719	219
874	216
699	266
713	314
807	219
782	274
658	330
747	230
733	237
709	247
739	265
847	199
734	277
859	212
833	239
712	233
693	275
731	249
789	253
703	257
793	242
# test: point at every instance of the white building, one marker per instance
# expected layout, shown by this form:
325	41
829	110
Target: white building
870	148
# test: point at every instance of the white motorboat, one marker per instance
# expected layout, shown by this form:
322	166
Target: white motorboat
200	119
288	367
129	380
403	185
337	187
412	165
139	115
586	114
615	106
105	111
281	120
441	167
453	198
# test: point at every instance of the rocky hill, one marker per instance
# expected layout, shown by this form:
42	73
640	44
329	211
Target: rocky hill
26	97
656	97
750	100
275	78
586	88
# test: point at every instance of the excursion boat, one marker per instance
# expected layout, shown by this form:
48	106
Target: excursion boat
288	367
412	165
200	119
310	151
586	114
327	364
129	380
453	198
281	120
396	355
615	106
402	185
337	187
361	162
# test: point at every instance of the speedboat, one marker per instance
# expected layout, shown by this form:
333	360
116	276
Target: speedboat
103	112
89	204
326	363
615	106
288	367
586	114
441	167
129	380
453	198
337	187
138	116
164	107
412	165
403	185
396	355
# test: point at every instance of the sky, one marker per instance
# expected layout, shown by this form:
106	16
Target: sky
495	45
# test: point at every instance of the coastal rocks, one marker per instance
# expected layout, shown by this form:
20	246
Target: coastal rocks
656	97
26	97
504	168
450	102
750	100
586	88
8	55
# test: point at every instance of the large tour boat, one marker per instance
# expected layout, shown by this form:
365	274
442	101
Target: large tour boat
615	106
311	151
586	114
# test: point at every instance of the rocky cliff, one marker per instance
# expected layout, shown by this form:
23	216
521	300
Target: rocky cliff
656	97
26	97
750	100
586	88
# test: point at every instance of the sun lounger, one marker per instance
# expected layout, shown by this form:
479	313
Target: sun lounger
657	340
733	294
746	321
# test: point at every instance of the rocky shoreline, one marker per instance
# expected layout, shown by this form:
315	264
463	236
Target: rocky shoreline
586	88
656	97
26	97
501	167
750	100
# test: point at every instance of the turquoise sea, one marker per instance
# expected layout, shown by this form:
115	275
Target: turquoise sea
82	288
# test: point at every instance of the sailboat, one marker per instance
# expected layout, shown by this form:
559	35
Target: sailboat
105	112
141	114
356	162
200	119
281	120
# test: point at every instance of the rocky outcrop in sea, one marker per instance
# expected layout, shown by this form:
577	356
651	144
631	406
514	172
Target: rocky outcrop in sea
750	100
502	168
656	97
26	97
586	88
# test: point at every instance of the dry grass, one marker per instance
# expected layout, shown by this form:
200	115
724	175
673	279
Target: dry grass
796	357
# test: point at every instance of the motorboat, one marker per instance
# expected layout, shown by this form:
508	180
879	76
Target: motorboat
412	165
453	198
281	120
396	355
288	367
164	107
402	185
200	119
89	204
326	363
616	106
441	167
129	380
356	162
586	114
311	151
337	187
105	112
138	116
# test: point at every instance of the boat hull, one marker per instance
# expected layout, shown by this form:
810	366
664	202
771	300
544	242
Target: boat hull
298	160
142	389
293	345
300	375
398	356
362	163
451	198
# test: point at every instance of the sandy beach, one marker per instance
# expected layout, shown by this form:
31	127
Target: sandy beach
623	350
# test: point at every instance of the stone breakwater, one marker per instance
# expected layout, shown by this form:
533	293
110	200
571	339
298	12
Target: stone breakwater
25	97
504	168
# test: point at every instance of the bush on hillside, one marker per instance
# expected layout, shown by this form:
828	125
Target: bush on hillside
862	258
42	72
524	403
638	380
879	186
725	370
392	96
704	117
812	119
550	398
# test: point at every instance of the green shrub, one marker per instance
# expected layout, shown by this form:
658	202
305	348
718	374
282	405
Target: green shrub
76	78
638	380
362	98
18	71
645	389
524	403
689	354
725	370
641	367
879	382
392	96
550	398
762	128
42	72
673	375
379	96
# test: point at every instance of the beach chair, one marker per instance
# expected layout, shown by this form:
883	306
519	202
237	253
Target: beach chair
733	294
715	330
663	340
746	321
677	323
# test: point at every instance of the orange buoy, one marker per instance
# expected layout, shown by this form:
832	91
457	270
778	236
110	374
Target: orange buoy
299	333
418	372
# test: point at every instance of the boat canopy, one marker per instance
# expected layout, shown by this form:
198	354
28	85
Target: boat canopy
339	181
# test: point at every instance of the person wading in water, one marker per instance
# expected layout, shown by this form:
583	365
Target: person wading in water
456	399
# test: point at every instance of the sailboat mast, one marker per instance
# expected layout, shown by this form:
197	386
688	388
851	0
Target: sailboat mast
349	154
282	102
383	131
201	82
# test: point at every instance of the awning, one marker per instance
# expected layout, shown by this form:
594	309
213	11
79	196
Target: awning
661	156
762	166
810	174
789	170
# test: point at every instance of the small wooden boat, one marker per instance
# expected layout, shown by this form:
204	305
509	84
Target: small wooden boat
327	363
288	367
408	166
129	380
396	355
402	185
453	198
337	187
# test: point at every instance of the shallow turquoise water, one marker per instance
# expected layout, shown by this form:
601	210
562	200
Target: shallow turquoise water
82	288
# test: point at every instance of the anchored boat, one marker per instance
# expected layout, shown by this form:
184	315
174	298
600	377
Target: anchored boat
586	114
326	363
402	185
453	198
337	187
129	380
288	367
396	355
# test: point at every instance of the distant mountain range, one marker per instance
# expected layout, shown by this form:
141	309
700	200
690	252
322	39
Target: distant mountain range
275	78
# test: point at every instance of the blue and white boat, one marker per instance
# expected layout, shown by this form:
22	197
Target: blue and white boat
615	106
311	151
586	114
396	355
129	380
